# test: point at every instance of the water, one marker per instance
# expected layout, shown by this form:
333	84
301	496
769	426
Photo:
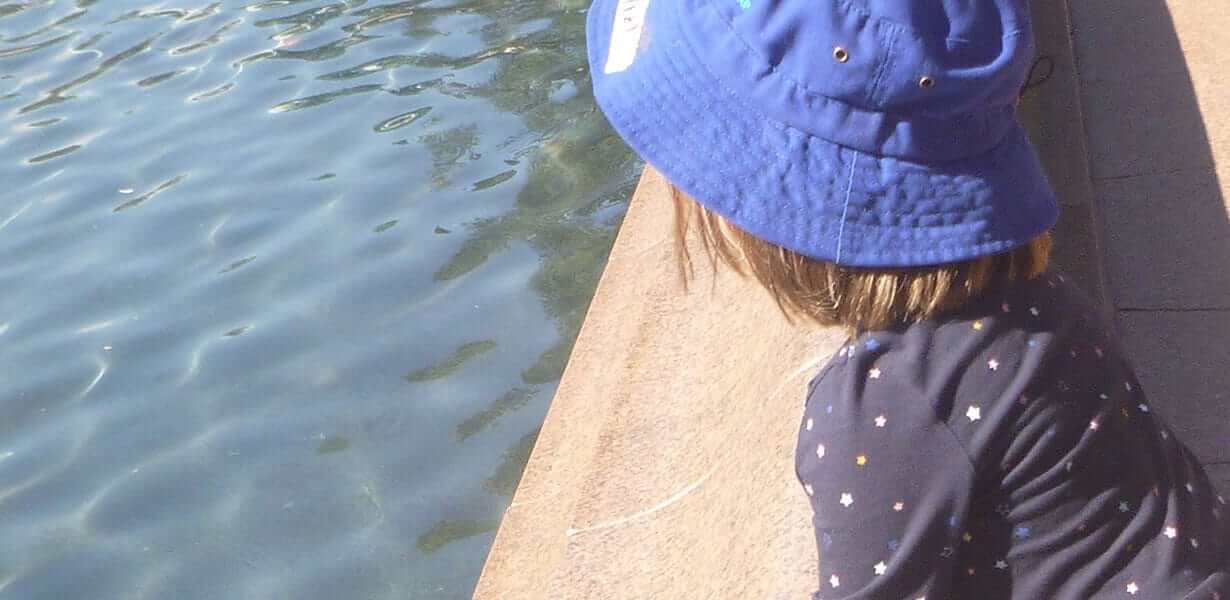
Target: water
285	287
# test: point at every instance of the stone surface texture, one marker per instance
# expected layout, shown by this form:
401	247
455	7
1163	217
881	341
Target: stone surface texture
1151	78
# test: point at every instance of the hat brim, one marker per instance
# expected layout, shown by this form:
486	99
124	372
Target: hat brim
798	190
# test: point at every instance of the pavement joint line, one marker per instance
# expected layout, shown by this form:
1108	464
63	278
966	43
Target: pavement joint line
1167	172
1173	310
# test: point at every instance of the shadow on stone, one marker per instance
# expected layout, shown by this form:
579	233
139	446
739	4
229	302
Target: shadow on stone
1144	69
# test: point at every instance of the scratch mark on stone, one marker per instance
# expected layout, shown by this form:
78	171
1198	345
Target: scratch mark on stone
661	505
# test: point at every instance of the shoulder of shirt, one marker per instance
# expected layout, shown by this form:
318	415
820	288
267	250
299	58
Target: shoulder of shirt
1048	313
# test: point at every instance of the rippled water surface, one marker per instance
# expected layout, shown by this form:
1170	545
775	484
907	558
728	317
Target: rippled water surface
285	287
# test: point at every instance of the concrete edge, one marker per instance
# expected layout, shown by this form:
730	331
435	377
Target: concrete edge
532	555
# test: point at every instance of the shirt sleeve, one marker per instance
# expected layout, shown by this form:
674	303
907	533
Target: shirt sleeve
889	485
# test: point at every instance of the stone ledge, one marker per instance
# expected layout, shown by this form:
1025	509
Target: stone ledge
665	466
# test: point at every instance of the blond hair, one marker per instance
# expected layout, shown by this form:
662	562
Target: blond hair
856	298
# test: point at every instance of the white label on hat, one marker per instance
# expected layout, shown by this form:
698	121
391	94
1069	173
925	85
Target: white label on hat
626	37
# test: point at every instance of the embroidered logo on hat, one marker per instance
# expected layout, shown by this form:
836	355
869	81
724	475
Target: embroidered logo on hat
626	35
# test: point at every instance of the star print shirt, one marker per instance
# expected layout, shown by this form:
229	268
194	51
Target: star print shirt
1004	452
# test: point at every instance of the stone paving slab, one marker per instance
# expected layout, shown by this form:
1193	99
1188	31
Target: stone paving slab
1151	73
1181	360
1167	259
1078	251
1157	121
1220	475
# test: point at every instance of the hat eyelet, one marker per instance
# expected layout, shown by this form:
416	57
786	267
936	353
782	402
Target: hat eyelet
840	54
927	82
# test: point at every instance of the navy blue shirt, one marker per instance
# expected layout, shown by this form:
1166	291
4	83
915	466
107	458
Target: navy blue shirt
1006	451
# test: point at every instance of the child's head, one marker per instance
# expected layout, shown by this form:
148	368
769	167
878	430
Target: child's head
857	298
861	158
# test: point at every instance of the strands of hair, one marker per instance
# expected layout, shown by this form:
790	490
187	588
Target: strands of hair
856	298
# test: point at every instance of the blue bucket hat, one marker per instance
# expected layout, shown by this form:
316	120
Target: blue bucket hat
876	133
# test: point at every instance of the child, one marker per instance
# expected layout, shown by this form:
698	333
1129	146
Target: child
981	434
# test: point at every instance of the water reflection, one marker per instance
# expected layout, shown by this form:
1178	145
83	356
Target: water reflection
289	285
